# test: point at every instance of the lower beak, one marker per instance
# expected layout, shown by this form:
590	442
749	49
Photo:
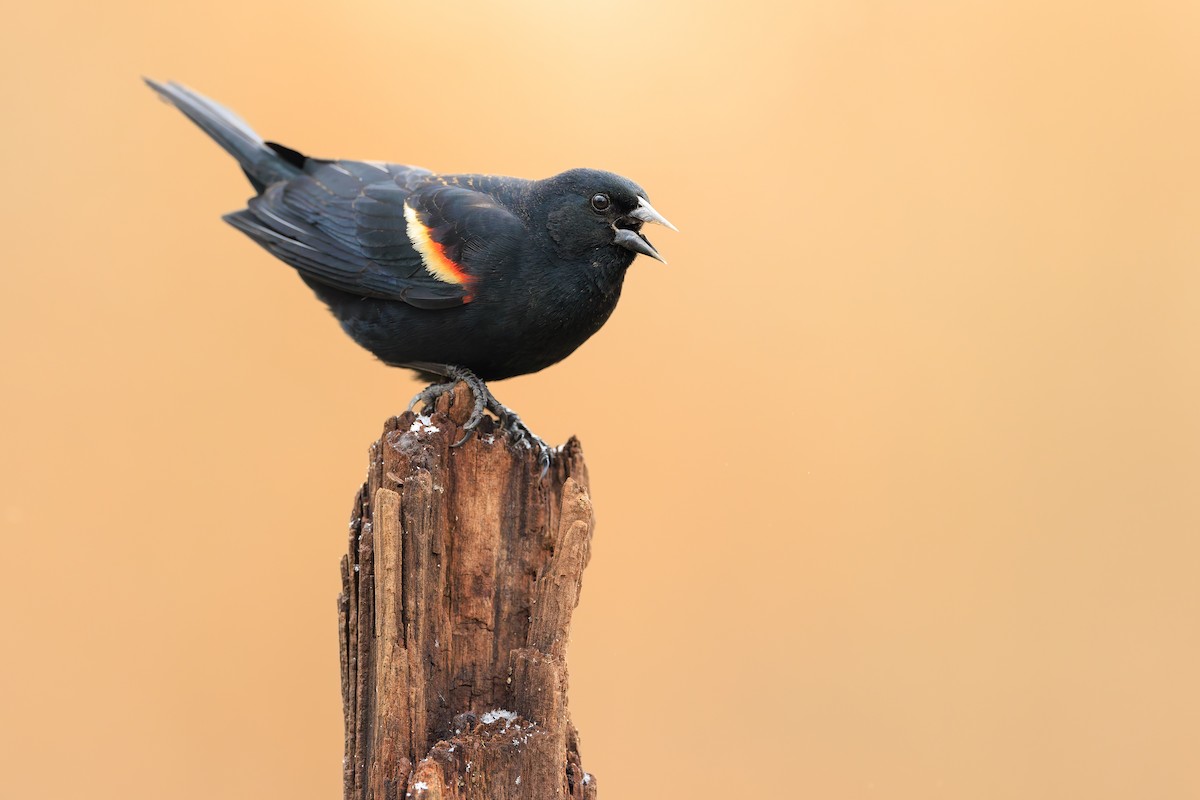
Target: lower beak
632	240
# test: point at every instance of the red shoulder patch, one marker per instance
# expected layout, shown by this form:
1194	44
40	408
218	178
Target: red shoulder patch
433	254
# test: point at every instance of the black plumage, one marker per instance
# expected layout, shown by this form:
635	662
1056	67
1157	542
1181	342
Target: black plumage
472	277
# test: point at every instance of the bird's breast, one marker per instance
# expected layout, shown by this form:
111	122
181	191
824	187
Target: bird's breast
540	321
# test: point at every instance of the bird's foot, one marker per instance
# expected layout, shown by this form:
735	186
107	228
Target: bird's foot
521	434
479	391
428	396
484	400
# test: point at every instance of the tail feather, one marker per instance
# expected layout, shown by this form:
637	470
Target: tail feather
261	164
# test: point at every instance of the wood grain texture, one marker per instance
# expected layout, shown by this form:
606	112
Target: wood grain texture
464	567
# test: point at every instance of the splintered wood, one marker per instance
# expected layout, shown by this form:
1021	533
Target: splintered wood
457	592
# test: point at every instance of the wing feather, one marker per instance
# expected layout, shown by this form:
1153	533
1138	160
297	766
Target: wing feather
344	224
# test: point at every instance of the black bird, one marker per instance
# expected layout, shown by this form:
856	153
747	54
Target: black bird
459	277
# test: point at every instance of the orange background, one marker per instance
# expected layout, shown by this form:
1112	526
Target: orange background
896	464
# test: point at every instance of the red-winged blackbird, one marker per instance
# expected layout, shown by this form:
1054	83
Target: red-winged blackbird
462	277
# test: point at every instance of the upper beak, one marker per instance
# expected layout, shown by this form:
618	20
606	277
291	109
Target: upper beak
646	213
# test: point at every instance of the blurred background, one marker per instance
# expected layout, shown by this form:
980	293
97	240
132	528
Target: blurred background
896	463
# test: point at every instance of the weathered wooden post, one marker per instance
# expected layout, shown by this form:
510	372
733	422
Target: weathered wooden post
463	570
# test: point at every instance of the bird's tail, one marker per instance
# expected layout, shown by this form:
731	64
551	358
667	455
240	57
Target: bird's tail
261	164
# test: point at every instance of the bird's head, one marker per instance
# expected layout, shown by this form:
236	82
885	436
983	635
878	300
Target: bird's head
588	211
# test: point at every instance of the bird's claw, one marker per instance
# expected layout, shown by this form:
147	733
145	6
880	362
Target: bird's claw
429	395
521	435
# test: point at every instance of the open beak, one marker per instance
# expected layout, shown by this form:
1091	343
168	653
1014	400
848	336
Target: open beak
632	240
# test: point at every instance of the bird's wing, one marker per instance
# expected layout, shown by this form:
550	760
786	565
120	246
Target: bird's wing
397	233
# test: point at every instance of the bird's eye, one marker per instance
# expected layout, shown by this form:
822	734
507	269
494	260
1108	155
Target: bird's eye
600	201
